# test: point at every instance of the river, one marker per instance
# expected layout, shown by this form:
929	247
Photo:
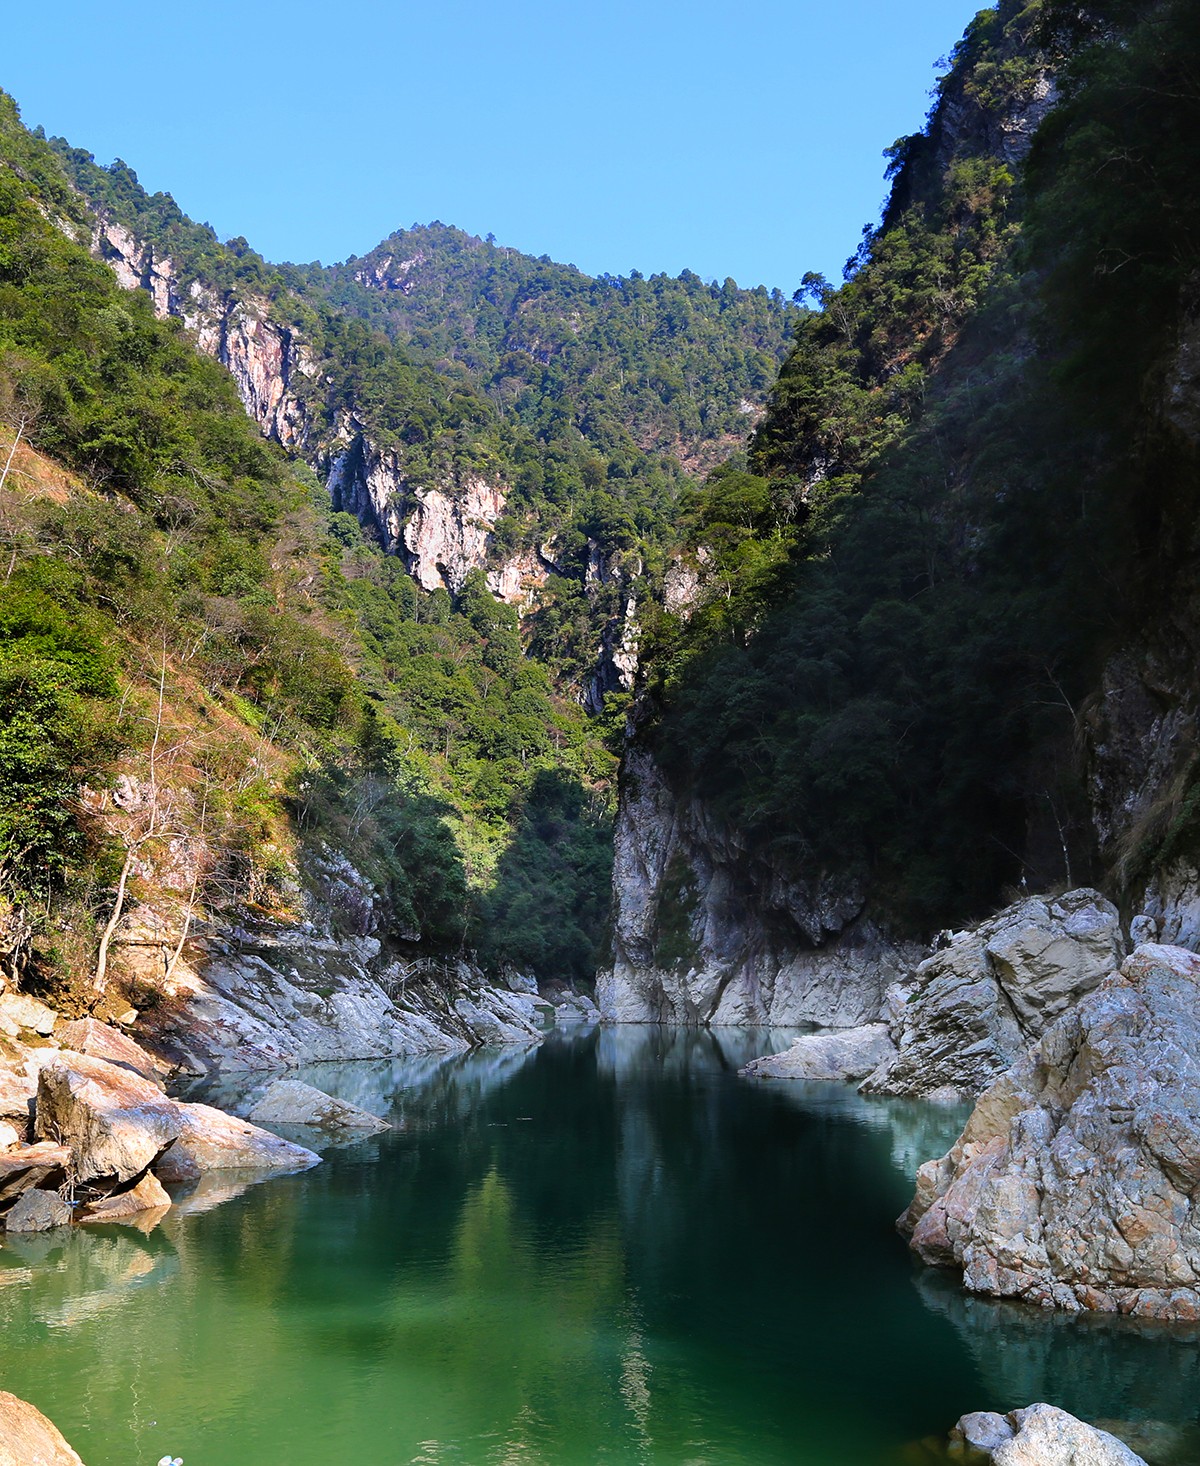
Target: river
610	1248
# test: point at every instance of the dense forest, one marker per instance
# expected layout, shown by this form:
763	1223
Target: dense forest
963	496
161	555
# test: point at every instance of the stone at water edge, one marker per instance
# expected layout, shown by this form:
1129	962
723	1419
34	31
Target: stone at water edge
115	1122
147	1195
292	1102
27	1166
1041	1435
27	1438
37	1211
972	1008
1075	1179
841	1054
214	1141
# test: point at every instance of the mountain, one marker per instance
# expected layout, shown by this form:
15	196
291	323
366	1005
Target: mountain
939	642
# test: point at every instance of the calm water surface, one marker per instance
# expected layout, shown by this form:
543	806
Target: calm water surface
608	1249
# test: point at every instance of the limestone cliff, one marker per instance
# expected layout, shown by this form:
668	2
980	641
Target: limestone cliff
704	932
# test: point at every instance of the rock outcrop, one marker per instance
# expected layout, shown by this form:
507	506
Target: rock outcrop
706	933
27	1438
974	1006
1075	1182
844	1054
283	994
1040	1435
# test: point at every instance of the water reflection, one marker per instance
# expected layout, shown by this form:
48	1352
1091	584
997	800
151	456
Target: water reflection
607	1249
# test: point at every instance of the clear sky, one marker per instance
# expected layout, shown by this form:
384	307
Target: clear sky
729	138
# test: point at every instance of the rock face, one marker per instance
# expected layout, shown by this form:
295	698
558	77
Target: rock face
703	933
1041	1435
977	1004
1075	1182
291	1102
282	994
850	1053
27	1438
103	1041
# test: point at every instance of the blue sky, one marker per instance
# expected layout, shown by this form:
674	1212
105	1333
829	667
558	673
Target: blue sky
731	139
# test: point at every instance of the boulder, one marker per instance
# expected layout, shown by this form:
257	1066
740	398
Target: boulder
102	1041
27	1166
20	1011
115	1122
291	1102
37	1211
975	1006
27	1438
845	1053
211	1140
1041	1435
147	1195
1075	1180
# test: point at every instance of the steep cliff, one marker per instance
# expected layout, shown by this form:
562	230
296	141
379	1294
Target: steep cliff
941	652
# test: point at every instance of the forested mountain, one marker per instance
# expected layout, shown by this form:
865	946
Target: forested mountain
942	612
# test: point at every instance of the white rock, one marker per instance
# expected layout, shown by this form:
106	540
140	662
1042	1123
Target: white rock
849	1053
291	1102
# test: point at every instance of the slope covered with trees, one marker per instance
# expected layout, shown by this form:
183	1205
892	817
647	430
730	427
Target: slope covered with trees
176	589
965	496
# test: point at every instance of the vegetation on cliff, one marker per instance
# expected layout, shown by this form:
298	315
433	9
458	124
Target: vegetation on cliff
960	498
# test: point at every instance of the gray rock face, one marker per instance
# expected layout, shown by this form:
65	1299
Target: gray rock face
37	1211
705	934
1041	1435
291	1102
1075	1182
975	1006
843	1054
285	995
27	1438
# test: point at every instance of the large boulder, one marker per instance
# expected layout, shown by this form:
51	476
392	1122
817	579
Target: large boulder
115	1122
1041	1435
842	1053
27	1438
103	1041
211	1140
1075	1181
975	1006
291	1102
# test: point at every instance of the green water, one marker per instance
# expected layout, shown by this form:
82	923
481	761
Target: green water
609	1249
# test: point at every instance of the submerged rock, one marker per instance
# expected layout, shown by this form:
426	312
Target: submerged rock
115	1122
1041	1435
291	1102
850	1053
37	1211
974	1007
27	1438
1075	1180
